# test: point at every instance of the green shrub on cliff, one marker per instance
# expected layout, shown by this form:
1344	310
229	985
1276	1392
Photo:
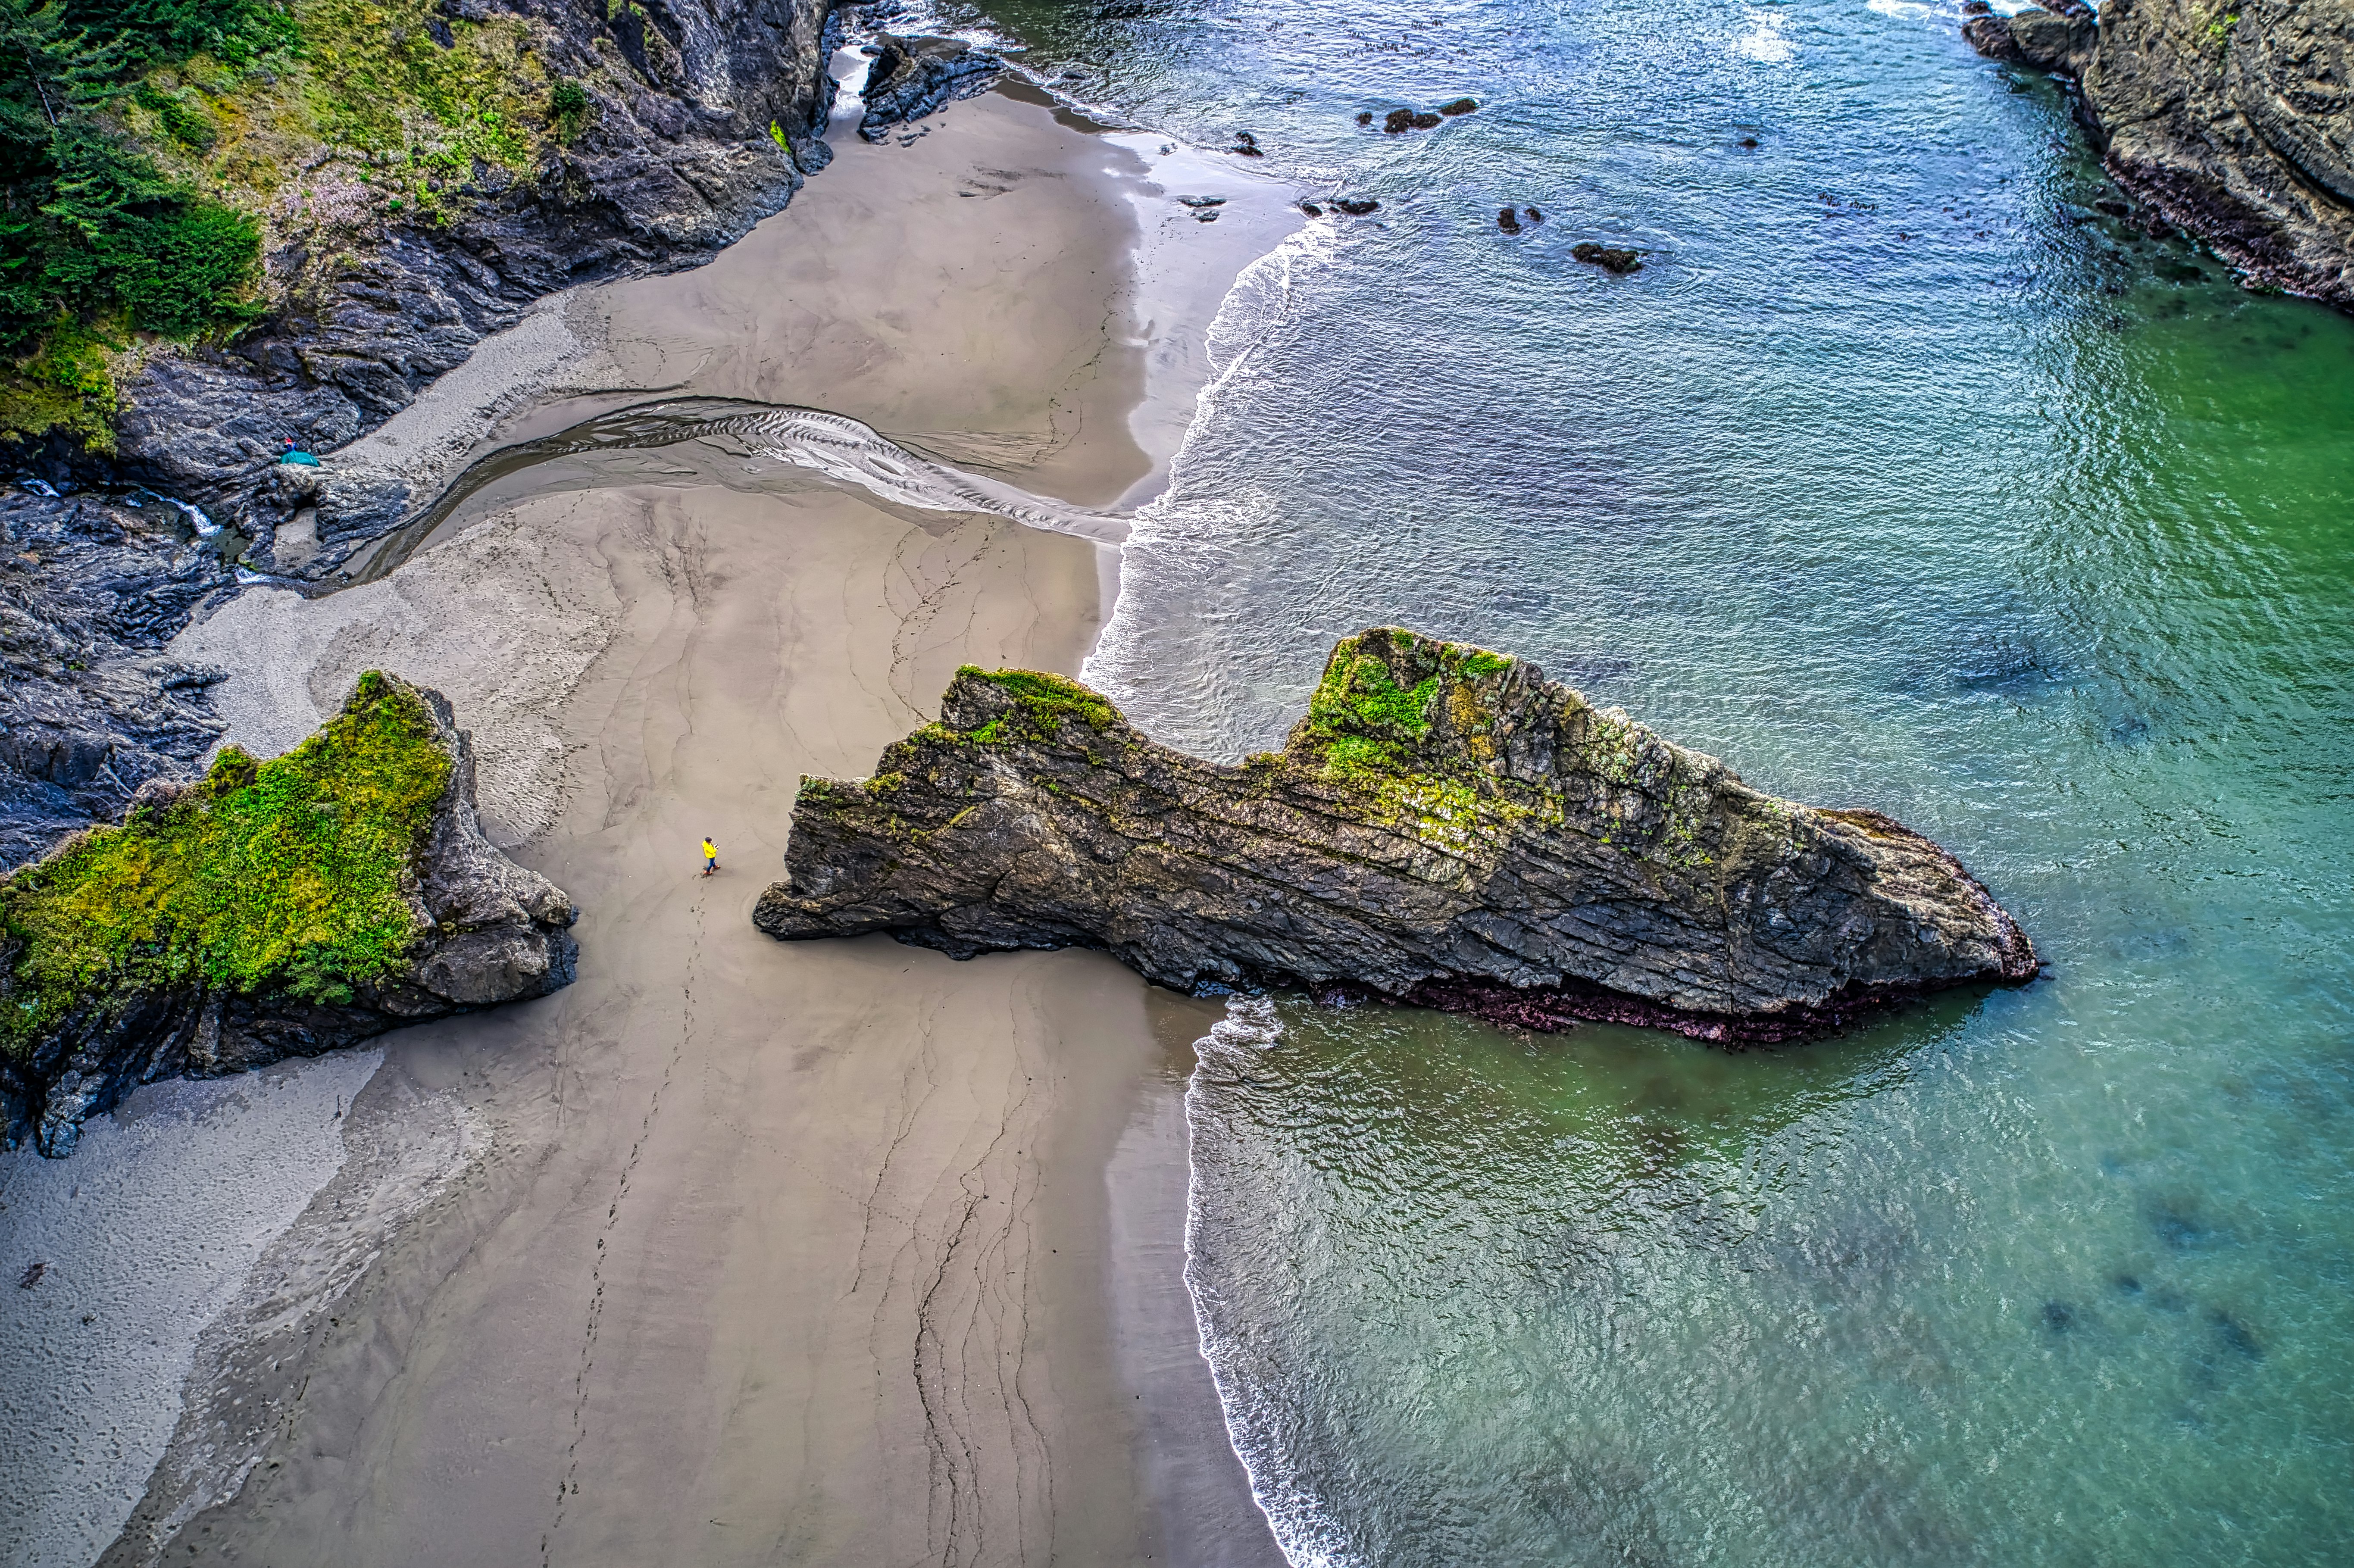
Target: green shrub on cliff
289	872
145	144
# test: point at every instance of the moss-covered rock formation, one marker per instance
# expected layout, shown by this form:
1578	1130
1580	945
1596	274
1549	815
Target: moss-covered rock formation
1444	827
271	909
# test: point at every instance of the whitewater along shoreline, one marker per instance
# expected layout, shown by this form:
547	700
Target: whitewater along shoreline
746	1251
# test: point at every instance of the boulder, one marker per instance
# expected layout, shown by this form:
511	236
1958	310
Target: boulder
912	77
270	909
1444	827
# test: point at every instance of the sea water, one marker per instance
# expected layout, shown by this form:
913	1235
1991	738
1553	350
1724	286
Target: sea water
1902	476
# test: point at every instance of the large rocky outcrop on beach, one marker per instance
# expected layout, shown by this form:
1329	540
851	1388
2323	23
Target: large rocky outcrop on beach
270	910
91	589
1444	827
699	118
912	77
2235	122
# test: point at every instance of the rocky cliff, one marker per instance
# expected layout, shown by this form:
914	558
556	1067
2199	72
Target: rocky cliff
271	909
2234	121
91	589
1444	827
422	180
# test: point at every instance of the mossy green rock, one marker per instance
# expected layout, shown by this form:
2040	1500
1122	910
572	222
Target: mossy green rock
270	909
1445	826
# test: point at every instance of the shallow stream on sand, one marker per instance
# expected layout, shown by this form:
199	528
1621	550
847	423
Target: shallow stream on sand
1899	476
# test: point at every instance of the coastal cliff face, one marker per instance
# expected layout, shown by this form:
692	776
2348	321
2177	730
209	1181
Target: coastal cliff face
91	589
696	120
1444	827
271	909
2234	122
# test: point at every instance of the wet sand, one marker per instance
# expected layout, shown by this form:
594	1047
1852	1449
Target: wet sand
759	1252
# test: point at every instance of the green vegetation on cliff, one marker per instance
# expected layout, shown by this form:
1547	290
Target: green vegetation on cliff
1362	721
149	149
290	871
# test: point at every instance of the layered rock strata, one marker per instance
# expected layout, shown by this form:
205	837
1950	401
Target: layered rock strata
912	77
2234	122
1444	827
202	937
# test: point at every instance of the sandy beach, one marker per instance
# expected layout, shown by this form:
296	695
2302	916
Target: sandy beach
753	1252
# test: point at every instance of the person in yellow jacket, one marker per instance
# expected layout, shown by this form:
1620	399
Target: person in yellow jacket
710	856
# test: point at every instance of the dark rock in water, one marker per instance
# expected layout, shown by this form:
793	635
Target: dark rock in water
1508	221
1749	141
245	955
1365	118
32	1275
1445	826
1607	258
2114	208
91	589
912	77
2233	124
1202	200
2234	1337
2061	38
1356	207
1988	33
1207	215
1461	106
1533	215
1311	209
1246	145
1399	121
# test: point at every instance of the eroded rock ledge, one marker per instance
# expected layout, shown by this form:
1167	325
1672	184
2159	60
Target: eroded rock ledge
1445	827
271	909
2234	122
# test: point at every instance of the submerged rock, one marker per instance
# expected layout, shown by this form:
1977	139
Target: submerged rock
271	909
1356	207
1444	827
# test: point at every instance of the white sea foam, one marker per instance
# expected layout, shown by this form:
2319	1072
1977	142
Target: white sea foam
1264	295
1303	1528
844	450
1766	39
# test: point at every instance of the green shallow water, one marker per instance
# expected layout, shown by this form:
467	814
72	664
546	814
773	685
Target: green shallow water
1899	476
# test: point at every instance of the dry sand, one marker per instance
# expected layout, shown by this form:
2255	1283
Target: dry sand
757	1253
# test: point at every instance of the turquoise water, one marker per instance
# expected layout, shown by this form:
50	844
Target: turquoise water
1899	477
